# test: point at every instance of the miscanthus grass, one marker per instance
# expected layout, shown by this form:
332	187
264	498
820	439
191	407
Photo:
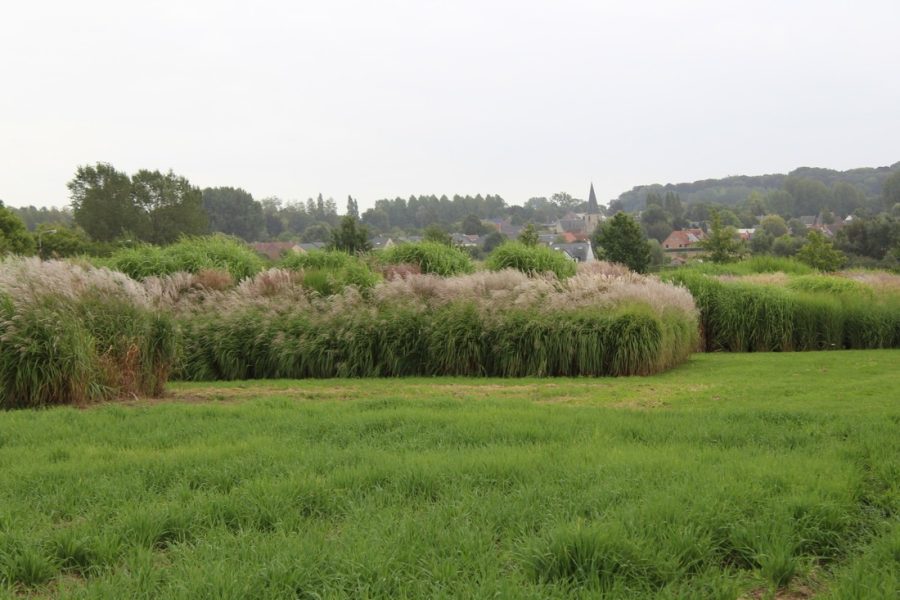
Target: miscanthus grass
503	323
189	254
72	334
803	312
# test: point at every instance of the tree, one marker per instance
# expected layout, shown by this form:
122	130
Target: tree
621	240
564	201
102	202
58	240
819	253
350	237
434	233
317	232
891	191
234	212
786	245
170	207
773	225
472	225
151	206
492	240
529	236
352	208
721	243
656	221
14	237
761	242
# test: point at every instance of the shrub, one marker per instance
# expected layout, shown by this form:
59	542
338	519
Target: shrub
532	260
189	254
429	257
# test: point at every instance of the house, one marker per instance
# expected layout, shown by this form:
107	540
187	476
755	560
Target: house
684	239
465	240
746	234
275	250
307	246
570	223
578	251
380	241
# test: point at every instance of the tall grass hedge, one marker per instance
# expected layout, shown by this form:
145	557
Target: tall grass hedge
431	257
533	260
190	255
454	339
808	313
70	335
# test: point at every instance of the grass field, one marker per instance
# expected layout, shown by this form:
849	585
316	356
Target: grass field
734	475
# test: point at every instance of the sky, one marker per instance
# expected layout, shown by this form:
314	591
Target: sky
392	98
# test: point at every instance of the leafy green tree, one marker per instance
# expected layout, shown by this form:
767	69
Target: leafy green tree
891	191
721	243
621	240
14	237
492	240
58	240
819	253
874	237
170	207
350	237
786	245
233	211
656	221
102	202
317	232
529	235
433	233
761	242
472	225
352	208
773	225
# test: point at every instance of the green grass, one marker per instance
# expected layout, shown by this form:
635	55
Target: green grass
732	474
533	260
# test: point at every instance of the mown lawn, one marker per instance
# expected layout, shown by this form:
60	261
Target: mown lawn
735	475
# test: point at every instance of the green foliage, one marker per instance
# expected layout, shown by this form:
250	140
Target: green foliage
738	316
14	237
752	265
529	235
721	243
350	237
330	271
60	350
150	206
234	212
533	260
712	482
431	257
455	339
437	235
190	254
56	240
621	240
819	253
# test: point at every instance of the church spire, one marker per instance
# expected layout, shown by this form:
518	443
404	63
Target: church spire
592	207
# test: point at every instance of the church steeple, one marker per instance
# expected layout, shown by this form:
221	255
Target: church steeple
592	206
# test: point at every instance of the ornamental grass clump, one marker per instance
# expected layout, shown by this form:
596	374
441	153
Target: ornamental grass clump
533	260
430	257
189	254
328	272
71	335
501	324
806	312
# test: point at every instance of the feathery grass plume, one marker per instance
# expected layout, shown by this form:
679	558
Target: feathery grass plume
71	334
486	323
533	260
190	254
430	257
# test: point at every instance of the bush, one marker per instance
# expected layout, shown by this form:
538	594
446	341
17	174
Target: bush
533	260
430	257
70	335
189	254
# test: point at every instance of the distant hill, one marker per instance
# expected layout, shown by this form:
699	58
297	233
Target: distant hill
732	190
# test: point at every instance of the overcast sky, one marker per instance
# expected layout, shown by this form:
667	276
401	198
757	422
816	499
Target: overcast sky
391	98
